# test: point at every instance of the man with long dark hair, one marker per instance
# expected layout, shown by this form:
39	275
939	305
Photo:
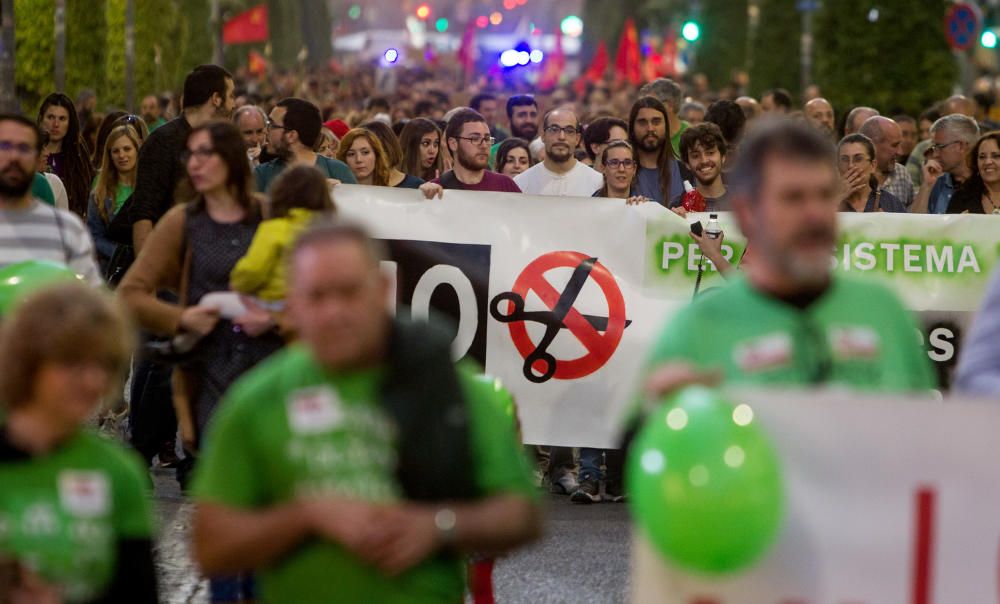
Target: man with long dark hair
659	176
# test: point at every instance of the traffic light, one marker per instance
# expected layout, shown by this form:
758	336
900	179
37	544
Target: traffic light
441	25
691	31
988	39
423	11
572	26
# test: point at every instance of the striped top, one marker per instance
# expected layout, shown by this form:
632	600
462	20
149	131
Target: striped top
42	232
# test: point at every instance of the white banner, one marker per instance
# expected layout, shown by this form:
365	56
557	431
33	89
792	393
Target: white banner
561	297
888	501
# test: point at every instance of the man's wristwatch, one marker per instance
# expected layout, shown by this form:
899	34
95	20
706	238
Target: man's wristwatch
445	520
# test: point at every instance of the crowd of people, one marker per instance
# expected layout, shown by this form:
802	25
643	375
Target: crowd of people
312	427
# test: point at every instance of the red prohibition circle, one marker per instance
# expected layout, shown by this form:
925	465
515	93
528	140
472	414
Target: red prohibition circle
600	347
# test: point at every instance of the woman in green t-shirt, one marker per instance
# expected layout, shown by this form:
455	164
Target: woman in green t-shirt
112	189
75	518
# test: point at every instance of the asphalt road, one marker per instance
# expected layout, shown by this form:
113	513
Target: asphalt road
583	557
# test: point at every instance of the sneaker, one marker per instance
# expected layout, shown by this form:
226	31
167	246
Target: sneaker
565	484
167	456
613	492
588	492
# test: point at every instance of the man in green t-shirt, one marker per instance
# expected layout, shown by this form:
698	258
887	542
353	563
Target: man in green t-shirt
358	465
292	130
790	321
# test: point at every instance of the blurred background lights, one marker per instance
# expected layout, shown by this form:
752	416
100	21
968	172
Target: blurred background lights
572	26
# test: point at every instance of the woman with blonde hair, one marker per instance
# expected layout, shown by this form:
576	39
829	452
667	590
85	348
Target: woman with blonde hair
77	514
364	154
111	192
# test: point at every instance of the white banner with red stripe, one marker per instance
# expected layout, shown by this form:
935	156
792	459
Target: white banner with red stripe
888	501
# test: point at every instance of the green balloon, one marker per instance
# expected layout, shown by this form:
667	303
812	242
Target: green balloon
20	280
502	396
704	483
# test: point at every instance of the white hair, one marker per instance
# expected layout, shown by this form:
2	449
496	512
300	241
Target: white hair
962	126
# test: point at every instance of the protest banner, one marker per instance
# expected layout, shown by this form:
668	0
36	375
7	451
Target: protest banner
561	297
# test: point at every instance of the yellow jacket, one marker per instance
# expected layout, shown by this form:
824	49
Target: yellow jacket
261	273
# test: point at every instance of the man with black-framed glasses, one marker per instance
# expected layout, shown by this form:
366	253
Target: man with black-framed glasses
293	127
946	166
468	138
560	174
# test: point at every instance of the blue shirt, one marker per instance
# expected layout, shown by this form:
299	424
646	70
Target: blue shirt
265	174
941	193
648	183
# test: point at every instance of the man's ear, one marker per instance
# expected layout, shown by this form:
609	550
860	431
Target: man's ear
450	147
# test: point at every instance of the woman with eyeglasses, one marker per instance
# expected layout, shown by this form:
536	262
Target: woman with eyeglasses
856	162
421	143
513	156
193	250
69	156
113	188
620	164
75	508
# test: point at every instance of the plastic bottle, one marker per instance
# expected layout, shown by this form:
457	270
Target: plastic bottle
693	201
713	230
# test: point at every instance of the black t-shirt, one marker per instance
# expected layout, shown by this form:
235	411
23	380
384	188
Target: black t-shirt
968	197
159	170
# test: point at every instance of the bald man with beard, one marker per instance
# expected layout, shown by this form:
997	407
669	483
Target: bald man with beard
819	114
892	176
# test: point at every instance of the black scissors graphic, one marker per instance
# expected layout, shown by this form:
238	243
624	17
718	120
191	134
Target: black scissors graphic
553	320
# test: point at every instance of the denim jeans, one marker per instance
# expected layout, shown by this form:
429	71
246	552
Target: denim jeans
590	464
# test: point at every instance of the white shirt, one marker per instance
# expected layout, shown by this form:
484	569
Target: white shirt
58	190
581	181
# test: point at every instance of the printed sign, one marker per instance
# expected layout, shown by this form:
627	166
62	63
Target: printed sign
566	294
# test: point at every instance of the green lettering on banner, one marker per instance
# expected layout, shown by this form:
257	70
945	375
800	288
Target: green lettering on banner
909	257
932	262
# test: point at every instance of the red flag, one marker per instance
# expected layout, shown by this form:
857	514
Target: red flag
467	50
594	73
670	55
257	65
628	61
248	26
555	64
